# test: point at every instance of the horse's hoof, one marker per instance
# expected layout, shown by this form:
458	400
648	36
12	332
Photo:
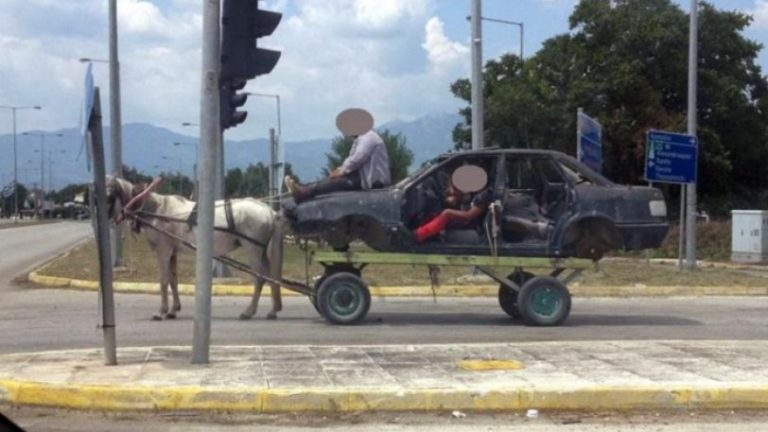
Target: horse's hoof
157	318
271	316
245	317
170	316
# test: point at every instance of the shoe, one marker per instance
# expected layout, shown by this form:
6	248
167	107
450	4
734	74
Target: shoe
300	193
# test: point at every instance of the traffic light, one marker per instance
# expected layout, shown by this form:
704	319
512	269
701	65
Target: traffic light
242	23
230	101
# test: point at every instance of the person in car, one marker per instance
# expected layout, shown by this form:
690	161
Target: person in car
454	215
366	167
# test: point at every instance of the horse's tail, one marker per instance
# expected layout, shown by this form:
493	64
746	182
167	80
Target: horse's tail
275	256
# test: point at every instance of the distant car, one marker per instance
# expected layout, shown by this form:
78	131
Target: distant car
546	204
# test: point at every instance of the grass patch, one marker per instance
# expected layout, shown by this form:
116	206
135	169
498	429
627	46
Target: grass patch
141	266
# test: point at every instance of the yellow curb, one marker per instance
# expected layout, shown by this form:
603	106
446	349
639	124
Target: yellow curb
277	400
576	289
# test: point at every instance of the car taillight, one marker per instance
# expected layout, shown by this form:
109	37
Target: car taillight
658	208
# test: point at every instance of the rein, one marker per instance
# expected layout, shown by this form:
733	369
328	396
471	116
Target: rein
139	198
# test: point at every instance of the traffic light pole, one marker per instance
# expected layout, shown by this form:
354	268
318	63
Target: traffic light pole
115	126
207	163
220	270
476	48
690	249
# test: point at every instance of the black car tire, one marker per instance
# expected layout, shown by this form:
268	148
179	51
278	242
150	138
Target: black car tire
313	297
544	301
508	296
343	298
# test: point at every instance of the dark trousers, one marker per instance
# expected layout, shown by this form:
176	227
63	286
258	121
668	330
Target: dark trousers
327	185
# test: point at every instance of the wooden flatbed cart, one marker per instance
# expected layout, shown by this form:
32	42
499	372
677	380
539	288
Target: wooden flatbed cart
341	295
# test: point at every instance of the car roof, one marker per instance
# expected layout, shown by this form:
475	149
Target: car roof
499	150
495	151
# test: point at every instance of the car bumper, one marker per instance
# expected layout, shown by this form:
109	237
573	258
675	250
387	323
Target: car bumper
643	236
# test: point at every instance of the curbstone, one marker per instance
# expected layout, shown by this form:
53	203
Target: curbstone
576	289
282	400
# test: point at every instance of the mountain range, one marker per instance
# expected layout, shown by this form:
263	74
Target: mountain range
153	149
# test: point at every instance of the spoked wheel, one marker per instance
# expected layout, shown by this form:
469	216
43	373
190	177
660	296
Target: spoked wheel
508	296
343	298
544	301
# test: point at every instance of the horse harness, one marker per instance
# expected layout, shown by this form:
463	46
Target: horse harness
191	222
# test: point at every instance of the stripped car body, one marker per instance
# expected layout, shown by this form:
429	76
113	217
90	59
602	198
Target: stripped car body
546	204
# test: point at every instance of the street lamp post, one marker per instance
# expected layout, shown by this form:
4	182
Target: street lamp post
194	169
15	161
170	158
519	24
274	182
50	166
42	136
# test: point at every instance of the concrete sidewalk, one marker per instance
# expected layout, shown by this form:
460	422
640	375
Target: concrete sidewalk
590	376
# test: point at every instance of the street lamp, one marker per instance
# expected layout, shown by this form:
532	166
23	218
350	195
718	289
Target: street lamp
276	160
42	136
519	24
15	163
194	168
50	166
170	158
91	60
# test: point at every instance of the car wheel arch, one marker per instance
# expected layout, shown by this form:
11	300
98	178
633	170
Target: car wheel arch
590	236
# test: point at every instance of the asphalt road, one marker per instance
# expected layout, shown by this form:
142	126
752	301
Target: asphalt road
48	420
23	248
45	319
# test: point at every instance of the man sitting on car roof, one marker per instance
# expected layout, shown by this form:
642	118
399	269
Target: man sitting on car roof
366	167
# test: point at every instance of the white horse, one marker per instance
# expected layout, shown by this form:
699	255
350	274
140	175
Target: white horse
252	225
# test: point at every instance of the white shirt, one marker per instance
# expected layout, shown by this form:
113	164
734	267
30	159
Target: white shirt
369	157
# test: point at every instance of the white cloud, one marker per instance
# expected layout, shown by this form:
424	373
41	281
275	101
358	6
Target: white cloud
389	56
440	49
760	14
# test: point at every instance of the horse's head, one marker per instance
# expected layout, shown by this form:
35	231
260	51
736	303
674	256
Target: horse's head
119	193
123	196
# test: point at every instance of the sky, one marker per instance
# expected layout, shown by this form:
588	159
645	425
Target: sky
396	58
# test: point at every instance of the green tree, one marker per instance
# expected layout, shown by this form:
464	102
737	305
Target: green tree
625	63
400	156
251	182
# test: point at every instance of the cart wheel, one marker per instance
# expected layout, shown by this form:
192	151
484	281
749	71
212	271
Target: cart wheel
343	298
544	301
508	296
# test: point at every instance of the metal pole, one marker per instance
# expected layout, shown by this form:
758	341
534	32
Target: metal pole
115	126
15	171
207	163
42	173
692	87
272	165
478	126
102	234
681	234
522	36
220	270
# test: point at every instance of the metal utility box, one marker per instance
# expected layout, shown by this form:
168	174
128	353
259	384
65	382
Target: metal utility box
749	236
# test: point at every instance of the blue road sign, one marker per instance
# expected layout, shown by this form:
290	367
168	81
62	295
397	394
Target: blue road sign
590	142
671	157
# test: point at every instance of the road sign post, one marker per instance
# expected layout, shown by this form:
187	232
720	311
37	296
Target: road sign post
672	158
